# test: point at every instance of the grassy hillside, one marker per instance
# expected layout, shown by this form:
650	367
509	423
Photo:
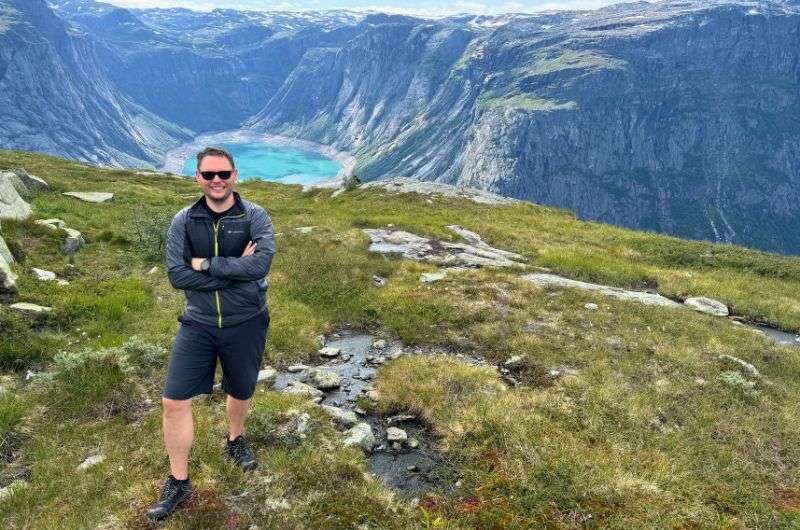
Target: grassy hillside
645	428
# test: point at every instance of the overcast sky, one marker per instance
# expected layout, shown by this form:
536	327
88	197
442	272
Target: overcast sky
418	7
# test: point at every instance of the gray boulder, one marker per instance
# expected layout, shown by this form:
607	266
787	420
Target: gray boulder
8	280
31	182
5	253
322	379
12	206
360	435
73	241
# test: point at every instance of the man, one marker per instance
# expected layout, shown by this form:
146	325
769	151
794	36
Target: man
219	251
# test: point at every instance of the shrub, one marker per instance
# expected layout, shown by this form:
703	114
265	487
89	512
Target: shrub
90	383
11	412
148	233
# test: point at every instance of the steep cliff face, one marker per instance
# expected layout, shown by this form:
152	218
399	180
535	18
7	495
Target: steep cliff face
677	117
54	97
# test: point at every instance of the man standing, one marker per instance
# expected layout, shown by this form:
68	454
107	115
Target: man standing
219	251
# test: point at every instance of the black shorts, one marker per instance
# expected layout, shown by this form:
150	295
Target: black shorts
194	358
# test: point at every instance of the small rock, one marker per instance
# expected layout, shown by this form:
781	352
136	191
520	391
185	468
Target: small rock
378	281
360	435
322	379
359	411
42	274
27	307
590	306
430	277
412	468
749	368
90	196
52	224
373	395
413	443
73	242
91	461
397	446
61	281
321	340
268	376
297	368
329	352
304	229
379	344
9	490
395	434
707	305
346	418
301	389
399	418
153	270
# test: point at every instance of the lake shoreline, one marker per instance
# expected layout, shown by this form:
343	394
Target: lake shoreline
174	158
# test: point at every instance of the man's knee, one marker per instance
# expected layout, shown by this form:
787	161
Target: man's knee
176	407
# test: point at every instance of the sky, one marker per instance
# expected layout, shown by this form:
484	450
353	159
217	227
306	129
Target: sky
412	7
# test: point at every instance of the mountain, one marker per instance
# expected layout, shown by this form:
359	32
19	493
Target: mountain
678	117
56	98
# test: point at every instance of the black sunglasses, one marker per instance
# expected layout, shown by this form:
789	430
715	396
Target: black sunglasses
209	175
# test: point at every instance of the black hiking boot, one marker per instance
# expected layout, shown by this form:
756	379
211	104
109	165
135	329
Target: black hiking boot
174	493
241	453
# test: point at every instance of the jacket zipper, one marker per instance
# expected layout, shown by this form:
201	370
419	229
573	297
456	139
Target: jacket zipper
216	253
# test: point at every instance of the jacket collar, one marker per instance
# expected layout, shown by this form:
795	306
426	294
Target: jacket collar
199	210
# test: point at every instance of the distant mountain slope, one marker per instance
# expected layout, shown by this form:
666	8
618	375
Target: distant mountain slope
679	117
56	98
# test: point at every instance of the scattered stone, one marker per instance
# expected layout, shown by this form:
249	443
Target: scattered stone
153	270
321	379
329	352
707	305
545	280
8	279
412	468
360	435
749	368
378	281
397	446
44	275
11	488
52	224
301	389
430	277
297	426
514	360
321	340
304	229
379	344
62	281
413	443
373	395
267	376
591	307
27	307
90	196
346	418
400	418
395	434
5	252
359	411
297	368
91	461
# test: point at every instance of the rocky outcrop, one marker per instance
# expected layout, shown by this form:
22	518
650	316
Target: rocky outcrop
73	240
12	206
90	196
707	305
411	246
547	280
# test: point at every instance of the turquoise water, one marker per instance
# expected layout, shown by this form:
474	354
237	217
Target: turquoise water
275	162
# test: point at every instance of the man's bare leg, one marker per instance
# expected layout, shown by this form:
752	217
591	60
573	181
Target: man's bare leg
237	413
178	433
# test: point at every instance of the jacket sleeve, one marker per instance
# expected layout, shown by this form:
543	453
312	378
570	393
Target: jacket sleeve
179	269
257	265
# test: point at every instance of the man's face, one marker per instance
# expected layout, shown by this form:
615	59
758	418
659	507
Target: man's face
216	189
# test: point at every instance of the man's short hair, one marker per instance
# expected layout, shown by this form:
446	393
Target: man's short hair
214	151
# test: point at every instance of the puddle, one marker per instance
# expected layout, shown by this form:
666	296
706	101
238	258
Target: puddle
406	469
781	337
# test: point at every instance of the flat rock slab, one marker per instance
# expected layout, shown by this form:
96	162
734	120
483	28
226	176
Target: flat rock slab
90	196
12	206
474	253
707	305
27	307
646	298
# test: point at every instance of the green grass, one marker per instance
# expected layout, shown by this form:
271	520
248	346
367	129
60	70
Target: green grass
644	428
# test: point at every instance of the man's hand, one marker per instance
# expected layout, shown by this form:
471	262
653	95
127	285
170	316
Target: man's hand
249	249
196	263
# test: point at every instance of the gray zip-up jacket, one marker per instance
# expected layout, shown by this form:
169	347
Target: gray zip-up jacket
234	288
